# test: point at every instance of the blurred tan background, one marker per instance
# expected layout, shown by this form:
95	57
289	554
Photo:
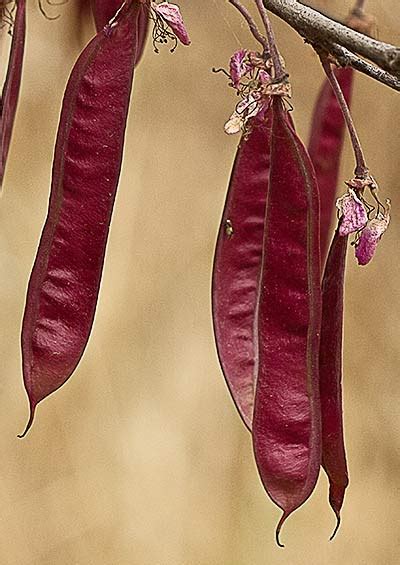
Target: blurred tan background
141	458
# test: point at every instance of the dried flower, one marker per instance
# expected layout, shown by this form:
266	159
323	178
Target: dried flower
353	213
247	108
238	67
252	77
370	236
170	14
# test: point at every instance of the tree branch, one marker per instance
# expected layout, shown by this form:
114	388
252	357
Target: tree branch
318	29
346	58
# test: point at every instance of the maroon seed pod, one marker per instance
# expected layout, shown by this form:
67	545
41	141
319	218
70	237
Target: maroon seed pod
237	266
287	419
105	10
10	93
65	280
325	148
330	367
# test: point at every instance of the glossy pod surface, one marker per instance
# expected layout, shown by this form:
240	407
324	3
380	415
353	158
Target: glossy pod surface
287	421
11	88
105	10
65	280
237	266
330	365
326	144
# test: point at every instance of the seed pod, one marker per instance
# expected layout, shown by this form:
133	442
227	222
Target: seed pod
10	93
237	266
105	10
325	148
330	367
65	280
287	420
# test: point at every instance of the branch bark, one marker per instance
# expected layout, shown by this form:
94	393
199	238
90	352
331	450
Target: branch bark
320	30
346	58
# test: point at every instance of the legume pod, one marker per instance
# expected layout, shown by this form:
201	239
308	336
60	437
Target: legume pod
325	148
330	367
105	10
237	266
326	143
10	92
66	275
287	419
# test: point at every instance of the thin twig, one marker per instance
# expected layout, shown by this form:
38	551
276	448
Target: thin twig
361	170
275	56
252	25
346	58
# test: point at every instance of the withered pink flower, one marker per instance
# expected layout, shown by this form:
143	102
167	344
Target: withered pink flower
247	108
370	236
264	77
171	14
353	213
237	66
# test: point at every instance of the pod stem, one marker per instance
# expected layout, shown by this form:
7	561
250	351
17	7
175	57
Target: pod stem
358	6
251	23
279	69
361	170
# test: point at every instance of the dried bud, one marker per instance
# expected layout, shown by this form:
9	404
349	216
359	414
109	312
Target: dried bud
370	236
353	213
237	66
171	14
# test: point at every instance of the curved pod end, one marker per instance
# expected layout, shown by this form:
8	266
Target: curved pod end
28	426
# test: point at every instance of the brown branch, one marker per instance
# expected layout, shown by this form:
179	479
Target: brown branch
318	29
346	58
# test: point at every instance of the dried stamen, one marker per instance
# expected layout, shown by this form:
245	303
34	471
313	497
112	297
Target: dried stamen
161	33
50	3
7	13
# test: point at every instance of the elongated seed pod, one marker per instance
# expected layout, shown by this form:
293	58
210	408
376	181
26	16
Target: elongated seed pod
65	279
10	92
105	10
287	420
237	266
330	367
325	148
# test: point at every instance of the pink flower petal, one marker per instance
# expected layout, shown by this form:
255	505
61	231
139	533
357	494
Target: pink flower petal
264	77
236	66
171	14
353	213
369	238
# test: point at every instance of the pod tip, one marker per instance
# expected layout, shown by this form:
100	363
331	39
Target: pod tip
338	519
278	529
29	424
